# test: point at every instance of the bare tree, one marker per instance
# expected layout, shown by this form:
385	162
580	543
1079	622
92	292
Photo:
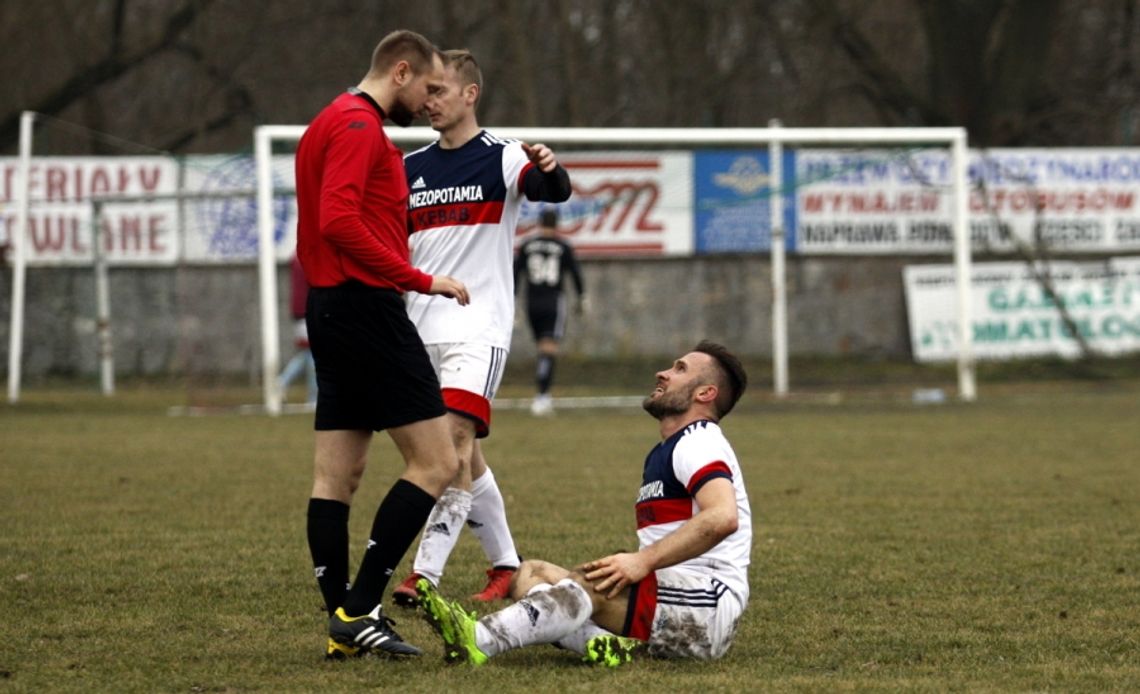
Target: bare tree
196	75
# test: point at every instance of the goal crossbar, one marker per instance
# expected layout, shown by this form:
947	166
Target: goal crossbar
954	138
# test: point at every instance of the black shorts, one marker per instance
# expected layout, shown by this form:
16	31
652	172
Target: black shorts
547	316
372	370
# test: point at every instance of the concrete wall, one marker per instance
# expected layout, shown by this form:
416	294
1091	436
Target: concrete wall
204	320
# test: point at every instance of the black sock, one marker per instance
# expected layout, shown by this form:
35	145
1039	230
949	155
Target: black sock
399	519
544	372
328	545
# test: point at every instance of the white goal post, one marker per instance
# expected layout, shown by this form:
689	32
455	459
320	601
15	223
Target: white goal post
774	137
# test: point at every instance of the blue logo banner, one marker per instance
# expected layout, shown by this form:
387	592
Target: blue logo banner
733	193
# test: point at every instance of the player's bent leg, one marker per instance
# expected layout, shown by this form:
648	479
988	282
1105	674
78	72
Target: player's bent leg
608	613
603	643
446	520
531	573
463	439
488	521
339	459
430	459
441	532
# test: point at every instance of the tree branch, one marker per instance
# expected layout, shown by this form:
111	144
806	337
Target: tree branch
113	66
889	90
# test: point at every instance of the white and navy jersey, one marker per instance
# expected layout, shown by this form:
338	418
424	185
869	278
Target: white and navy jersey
674	471
463	210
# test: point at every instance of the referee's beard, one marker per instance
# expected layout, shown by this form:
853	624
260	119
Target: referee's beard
400	114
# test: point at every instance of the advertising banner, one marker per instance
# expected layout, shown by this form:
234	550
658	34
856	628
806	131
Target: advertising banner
60	230
629	203
220	222
625	203
873	201
898	200
733	200
1071	200
1015	316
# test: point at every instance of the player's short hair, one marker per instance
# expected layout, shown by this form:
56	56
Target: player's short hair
548	218
403	45
466	69
731	379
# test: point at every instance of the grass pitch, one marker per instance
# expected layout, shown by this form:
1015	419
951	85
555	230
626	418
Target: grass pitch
992	546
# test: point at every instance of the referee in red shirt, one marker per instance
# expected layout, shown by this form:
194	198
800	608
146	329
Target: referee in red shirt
373	373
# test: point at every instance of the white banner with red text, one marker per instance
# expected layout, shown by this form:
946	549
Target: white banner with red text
898	201
629	203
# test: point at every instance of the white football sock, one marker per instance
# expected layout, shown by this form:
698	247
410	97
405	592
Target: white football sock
441	533
576	640
488	520
545	615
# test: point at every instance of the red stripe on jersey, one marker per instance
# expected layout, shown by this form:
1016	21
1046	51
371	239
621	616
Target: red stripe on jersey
457	214
470	405
522	175
658	511
639	621
716	468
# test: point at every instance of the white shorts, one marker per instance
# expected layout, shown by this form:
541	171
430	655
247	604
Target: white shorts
469	376
686	616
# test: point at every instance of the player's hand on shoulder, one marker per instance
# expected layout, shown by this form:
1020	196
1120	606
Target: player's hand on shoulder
451	288
541	156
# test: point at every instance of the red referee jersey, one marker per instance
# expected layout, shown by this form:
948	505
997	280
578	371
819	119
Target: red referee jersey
352	200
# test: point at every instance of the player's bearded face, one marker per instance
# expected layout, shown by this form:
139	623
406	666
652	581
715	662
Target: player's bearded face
400	114
411	97
669	401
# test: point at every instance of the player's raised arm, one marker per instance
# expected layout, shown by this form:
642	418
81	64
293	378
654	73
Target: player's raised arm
547	180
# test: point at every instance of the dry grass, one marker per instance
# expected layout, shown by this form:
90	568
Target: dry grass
993	546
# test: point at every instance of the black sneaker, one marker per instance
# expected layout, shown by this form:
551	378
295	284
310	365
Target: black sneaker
354	636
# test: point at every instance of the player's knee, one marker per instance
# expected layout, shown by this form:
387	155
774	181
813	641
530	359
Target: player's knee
336	481
441	469
433	467
462	434
531	573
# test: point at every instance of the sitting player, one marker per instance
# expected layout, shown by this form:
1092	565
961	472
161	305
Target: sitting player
683	592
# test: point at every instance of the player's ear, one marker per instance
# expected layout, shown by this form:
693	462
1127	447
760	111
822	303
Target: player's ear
707	393
472	93
402	73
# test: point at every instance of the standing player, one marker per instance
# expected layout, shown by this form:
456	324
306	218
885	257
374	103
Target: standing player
682	593
544	261
372	370
466	192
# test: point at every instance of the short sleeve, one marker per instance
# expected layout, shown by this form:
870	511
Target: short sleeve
515	165
701	456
